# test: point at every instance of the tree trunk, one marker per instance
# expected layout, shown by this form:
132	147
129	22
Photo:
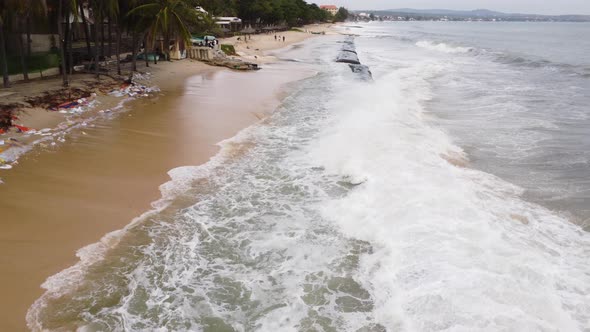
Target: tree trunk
167	46
29	41
86	28
23	61
102	53
96	45
69	33
110	53
118	47
3	57
133	53
67	37
64	73
145	53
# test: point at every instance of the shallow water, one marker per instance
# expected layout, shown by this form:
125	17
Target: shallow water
341	212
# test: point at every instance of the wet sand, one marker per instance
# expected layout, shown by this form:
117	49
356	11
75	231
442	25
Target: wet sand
54	203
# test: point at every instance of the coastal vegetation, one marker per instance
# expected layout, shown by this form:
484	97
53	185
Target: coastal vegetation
228	49
90	32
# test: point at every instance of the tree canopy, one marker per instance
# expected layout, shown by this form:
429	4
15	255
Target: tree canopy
291	12
136	20
341	15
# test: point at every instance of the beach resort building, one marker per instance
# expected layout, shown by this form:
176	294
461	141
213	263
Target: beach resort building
229	24
330	9
226	24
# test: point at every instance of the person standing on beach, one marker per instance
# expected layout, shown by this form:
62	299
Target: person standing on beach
283	39
275	37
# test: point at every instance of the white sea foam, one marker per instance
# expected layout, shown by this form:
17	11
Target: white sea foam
345	215
442	47
181	180
454	248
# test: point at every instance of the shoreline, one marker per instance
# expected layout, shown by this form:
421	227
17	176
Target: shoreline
106	175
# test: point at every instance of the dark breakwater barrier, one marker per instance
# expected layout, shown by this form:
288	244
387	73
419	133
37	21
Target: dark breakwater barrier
348	55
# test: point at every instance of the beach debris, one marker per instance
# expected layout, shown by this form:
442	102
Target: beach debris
22	129
8	114
142	76
4	164
221	59
133	89
62	98
70	104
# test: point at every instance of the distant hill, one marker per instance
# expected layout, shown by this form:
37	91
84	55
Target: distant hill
467	13
477	14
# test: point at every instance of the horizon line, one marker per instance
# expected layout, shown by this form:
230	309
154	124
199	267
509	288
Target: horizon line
469	10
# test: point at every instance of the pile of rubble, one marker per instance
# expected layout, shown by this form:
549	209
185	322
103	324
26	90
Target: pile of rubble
222	60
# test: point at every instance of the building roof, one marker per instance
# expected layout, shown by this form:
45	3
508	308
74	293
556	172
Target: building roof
328	7
228	19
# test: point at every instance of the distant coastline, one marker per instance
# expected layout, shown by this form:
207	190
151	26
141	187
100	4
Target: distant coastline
478	15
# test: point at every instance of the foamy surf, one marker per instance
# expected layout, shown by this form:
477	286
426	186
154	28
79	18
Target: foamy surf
342	211
453	248
442	47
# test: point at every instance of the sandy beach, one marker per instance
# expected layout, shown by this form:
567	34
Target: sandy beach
59	200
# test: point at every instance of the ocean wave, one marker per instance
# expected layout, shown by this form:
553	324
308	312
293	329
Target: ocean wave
454	247
442	47
182	179
344	215
519	60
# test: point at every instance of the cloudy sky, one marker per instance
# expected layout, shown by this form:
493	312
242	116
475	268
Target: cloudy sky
512	6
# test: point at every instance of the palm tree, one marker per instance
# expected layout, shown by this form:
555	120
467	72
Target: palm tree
168	18
27	10
97	12
135	24
86	27
65	8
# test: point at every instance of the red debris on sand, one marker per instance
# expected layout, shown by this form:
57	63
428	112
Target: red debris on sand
22	129
7	115
68	104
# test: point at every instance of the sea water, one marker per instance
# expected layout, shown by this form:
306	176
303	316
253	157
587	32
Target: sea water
447	194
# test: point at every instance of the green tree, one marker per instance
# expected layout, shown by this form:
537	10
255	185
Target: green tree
341	15
65	9
26	10
168	18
